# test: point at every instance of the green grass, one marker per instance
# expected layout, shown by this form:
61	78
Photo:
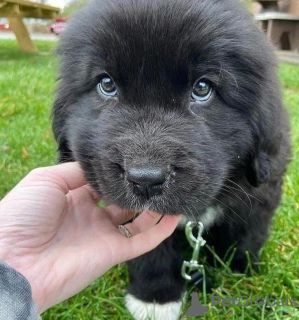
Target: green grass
26	95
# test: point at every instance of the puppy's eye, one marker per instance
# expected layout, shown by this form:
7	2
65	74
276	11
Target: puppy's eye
106	86
202	90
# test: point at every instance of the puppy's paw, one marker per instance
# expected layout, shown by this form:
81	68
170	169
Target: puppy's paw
153	311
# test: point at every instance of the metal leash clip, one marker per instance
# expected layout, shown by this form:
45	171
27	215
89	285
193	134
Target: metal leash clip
192	266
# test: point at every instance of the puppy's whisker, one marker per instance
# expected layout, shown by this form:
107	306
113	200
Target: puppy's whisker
234	198
244	192
228	207
231	75
248	195
119	196
235	195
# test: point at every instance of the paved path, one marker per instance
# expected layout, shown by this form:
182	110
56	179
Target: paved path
35	36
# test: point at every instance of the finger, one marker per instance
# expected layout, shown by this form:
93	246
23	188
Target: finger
84	194
146	220
66	177
118	215
150	239
96	197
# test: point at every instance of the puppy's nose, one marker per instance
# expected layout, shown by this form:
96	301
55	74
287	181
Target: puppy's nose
147	181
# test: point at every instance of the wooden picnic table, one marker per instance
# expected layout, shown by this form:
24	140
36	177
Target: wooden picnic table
282	28
16	10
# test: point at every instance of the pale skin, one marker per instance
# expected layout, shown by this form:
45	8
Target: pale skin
53	233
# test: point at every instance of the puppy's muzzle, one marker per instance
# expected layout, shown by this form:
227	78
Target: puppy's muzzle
147	181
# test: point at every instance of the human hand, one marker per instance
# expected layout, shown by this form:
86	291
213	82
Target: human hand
53	232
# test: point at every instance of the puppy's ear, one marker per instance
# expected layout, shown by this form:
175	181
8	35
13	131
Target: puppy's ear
266	131
59	114
258	169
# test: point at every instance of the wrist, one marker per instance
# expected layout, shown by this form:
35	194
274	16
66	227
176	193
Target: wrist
18	264
5	252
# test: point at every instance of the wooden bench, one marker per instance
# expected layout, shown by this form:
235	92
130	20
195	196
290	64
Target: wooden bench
282	29
16	10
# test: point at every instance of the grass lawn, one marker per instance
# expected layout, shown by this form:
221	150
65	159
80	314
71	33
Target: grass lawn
27	83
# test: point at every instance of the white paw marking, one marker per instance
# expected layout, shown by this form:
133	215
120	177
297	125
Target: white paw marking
141	310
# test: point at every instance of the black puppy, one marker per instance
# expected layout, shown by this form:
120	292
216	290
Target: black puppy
174	105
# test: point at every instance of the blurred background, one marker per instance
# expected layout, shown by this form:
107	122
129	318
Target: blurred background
29	32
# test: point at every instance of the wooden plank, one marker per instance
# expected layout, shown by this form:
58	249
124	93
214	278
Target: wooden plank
33	5
13	10
276	16
22	35
9	10
41	14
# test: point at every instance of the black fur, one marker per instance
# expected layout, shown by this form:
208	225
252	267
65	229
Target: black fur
229	153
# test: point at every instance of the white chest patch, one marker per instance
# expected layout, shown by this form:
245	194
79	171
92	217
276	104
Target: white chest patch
141	310
210	216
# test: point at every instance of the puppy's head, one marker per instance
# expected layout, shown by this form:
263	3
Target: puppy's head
162	101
